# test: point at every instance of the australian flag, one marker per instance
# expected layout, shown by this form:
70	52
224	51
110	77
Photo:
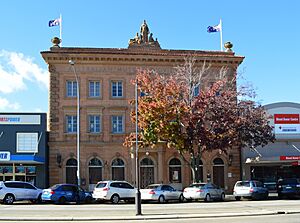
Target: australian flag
55	22
213	29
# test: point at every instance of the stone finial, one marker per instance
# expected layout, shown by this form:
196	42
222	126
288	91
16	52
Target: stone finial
56	41
228	46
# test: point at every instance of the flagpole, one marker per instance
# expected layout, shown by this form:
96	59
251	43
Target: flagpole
60	29
221	35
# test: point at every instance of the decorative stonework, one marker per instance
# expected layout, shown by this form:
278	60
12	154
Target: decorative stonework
144	40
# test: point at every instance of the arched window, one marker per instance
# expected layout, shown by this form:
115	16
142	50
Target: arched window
218	172
95	171
175	171
146	172
71	169
118	169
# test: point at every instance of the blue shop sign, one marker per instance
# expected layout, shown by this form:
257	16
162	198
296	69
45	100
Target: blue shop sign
4	156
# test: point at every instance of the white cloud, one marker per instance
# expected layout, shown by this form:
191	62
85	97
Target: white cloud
15	69
6	105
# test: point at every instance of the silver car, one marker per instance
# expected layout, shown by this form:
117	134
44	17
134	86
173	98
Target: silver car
11	191
161	193
250	189
204	191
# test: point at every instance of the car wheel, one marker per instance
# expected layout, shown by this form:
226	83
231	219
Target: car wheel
237	198
39	199
222	198
161	199
207	198
62	200
115	199
181	198
9	199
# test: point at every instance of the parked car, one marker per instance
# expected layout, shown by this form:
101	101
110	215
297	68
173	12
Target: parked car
62	193
161	193
288	187
204	191
250	189
11	191
114	191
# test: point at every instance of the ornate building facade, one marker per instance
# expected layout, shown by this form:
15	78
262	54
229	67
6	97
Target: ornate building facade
104	77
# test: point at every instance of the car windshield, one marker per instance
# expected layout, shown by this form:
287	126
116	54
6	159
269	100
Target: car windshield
197	185
258	184
54	187
152	186
101	185
243	184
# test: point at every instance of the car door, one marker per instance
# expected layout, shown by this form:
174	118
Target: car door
211	190
129	190
31	191
68	192
166	191
81	193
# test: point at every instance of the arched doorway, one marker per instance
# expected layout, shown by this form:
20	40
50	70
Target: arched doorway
146	172
95	172
118	169
175	171
71	171
218	172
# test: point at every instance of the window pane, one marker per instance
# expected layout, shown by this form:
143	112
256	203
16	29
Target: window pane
117	88
94	123
94	89
71	123
117	124
27	142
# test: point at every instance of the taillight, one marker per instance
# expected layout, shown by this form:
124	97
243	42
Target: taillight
151	192
52	192
251	190
105	189
199	191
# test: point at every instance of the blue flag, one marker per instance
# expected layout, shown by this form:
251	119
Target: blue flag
55	22
213	29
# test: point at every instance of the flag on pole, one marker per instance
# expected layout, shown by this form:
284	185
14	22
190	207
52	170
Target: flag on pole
217	28
55	22
213	29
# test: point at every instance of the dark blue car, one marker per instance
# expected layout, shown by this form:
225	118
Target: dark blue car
289	187
62	193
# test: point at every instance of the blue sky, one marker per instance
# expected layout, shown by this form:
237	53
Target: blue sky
267	33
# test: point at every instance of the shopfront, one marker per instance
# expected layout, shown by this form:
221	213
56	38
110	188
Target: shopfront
23	148
281	159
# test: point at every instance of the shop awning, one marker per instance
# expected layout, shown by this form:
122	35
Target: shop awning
29	159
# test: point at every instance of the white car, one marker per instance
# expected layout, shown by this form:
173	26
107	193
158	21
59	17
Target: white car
161	193
11	191
204	191
114	191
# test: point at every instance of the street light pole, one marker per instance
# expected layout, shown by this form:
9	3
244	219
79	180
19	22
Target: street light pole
137	178
72	63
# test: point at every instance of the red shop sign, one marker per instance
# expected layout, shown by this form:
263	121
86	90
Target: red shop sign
289	157
286	119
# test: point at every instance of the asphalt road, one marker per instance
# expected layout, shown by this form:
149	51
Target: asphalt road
230	211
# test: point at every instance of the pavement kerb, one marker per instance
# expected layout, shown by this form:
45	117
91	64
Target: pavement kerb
146	217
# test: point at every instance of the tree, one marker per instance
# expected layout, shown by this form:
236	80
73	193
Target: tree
218	117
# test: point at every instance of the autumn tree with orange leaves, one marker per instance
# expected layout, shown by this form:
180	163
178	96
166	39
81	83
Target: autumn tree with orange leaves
218	117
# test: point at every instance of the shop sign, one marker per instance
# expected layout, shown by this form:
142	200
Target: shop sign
289	157
4	156
287	123
20	119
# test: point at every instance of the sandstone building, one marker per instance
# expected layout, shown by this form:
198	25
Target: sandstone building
105	76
